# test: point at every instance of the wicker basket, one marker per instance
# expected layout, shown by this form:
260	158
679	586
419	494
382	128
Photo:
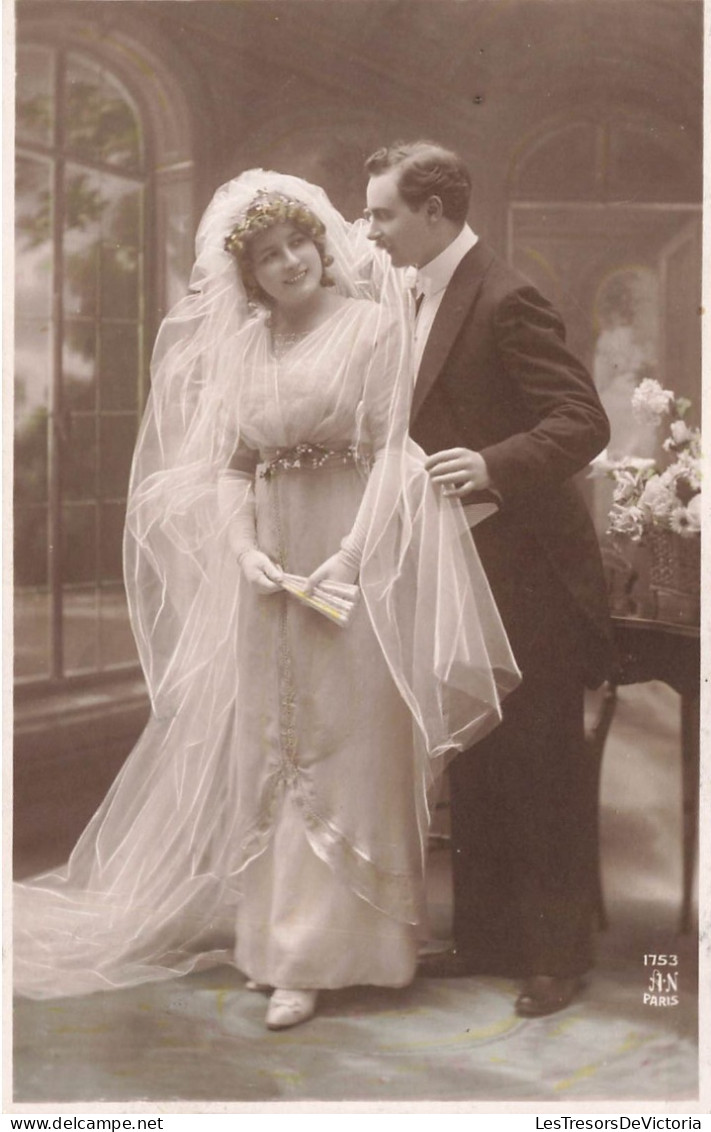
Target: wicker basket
675	576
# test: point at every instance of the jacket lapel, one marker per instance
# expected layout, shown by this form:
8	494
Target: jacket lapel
459	298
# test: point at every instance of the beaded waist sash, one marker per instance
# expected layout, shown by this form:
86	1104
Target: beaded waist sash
308	456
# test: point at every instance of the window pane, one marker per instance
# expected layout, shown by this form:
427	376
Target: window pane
101	244
119	281
81	627
32	627
32	369
84	203
112	517
35	103
30	538
79	467
79	542
33	218
31	437
116	643
120	259
123	216
119	366
79	364
98	217
33	361
117	436
101	122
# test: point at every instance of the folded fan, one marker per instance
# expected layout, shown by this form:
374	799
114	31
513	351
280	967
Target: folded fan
335	600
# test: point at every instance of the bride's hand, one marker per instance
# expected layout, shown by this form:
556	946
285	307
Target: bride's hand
261	573
334	569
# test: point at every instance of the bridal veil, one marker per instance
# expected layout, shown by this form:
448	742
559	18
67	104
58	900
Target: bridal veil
151	887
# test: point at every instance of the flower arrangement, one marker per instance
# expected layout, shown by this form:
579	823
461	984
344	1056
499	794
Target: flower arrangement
649	498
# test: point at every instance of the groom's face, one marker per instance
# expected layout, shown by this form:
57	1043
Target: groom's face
402	232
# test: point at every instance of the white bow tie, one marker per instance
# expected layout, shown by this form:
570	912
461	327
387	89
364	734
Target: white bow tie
424	287
409	278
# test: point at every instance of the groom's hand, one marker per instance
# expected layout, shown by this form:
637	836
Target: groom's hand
458	471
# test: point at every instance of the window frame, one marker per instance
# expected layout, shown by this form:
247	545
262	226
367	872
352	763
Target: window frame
161	93
59	156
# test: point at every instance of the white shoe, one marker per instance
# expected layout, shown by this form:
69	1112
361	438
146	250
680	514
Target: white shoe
251	985
289	1007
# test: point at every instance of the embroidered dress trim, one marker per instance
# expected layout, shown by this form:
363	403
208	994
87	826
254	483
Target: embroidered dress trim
303	456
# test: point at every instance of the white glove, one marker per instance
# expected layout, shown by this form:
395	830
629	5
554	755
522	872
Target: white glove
344	565
340	567
236	505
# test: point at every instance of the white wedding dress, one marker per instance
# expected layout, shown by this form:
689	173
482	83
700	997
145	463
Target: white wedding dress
331	793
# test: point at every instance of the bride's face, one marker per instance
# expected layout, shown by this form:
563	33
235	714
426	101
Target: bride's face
286	264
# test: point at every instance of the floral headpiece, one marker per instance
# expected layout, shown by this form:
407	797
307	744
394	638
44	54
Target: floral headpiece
266	210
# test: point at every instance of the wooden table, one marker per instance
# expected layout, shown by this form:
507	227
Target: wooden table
657	650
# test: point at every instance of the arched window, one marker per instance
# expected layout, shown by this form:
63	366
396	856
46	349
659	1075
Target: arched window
605	216
616	199
92	204
80	326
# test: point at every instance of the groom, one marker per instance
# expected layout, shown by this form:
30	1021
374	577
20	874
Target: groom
508	415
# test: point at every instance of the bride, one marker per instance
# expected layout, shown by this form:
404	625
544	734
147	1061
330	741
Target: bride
315	629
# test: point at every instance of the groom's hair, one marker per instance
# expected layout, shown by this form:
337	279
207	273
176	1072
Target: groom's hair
426	169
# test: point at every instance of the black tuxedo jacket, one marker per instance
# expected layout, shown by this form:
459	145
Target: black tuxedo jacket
497	377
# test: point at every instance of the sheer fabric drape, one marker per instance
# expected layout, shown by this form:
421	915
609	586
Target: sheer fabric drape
257	698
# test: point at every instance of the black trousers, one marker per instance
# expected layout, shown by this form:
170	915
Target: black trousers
523	812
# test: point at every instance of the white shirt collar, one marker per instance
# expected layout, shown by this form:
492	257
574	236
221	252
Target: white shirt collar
436	275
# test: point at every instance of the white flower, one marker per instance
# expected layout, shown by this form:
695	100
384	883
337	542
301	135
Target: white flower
647	494
681	521
626	489
680	431
657	497
690	468
650	402
693	512
669	476
627	521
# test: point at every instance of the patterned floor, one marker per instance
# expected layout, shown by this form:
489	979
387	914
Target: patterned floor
202	1039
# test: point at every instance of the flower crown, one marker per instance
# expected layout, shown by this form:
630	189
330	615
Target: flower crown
266	210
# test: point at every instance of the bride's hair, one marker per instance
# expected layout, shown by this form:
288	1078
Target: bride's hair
266	210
